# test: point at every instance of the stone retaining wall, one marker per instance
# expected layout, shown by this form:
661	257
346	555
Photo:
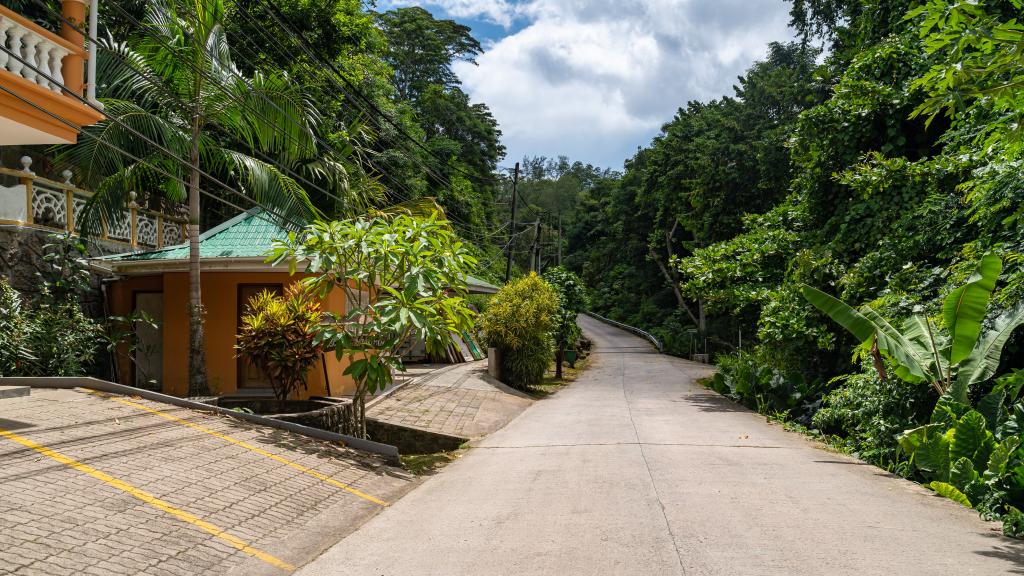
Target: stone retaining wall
412	440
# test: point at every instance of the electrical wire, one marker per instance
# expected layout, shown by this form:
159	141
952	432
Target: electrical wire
285	51
285	24
213	80
124	152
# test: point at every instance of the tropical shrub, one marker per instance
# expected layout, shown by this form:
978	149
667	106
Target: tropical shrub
63	340
973	455
750	379
865	414
279	336
413	269
519	323
47	339
572	299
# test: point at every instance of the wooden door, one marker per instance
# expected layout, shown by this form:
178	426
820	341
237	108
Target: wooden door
249	376
149	341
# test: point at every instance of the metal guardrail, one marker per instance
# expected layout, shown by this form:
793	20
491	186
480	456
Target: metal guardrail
628	328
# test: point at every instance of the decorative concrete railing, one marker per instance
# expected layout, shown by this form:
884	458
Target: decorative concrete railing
39	48
39	202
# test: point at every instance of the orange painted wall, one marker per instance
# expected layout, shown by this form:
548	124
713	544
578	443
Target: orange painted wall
220	299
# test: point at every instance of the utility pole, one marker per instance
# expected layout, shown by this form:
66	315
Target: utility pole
559	238
512	225
535	249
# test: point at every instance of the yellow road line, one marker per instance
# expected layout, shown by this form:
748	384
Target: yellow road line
149	499
246	445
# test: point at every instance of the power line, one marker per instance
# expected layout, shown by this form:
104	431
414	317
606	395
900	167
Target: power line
214	81
209	76
122	151
283	21
354	97
162	148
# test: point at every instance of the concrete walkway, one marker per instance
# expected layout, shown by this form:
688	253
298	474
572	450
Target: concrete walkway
460	400
634	469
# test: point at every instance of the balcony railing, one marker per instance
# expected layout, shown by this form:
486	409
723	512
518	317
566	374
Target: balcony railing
44	80
38	202
40	48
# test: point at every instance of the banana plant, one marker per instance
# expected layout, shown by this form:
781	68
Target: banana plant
952	357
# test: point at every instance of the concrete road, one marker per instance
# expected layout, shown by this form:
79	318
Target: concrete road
635	469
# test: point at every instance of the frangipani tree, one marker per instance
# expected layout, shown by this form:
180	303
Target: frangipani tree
175	84
950	358
403	277
572	299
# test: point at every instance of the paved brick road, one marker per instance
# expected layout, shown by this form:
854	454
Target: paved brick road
461	401
99	485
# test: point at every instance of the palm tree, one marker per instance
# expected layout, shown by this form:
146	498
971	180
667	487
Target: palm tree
206	129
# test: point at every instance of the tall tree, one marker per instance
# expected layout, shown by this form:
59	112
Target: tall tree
422	49
201	123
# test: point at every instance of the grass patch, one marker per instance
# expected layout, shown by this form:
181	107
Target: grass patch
550	384
424	464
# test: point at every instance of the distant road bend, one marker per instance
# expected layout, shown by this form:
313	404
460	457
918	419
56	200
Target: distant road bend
636	470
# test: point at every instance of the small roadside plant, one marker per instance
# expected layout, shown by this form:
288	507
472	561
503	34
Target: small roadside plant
750	379
280	336
49	335
63	340
403	277
572	299
519	323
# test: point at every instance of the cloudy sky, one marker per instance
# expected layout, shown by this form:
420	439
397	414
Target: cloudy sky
594	79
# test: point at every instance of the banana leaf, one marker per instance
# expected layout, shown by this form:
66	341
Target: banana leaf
964	309
984	359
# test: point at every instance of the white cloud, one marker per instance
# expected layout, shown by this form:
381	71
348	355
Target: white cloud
594	79
500	12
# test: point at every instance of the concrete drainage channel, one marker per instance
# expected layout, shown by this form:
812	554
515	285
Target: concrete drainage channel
14	391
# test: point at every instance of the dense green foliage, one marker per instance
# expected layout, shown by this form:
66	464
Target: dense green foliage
325	107
881	175
519	322
50	335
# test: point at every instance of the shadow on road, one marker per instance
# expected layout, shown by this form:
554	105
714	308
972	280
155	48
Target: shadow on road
1006	549
709	402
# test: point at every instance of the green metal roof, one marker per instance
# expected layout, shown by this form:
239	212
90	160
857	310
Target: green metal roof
479	286
248	235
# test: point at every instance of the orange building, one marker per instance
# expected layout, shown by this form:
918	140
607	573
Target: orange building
233	269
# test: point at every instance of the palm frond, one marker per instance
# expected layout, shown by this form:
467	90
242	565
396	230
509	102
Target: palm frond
268	186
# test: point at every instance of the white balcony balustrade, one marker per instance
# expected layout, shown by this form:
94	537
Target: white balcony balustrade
37	202
36	49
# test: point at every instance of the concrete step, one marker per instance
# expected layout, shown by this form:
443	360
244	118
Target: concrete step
13	391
